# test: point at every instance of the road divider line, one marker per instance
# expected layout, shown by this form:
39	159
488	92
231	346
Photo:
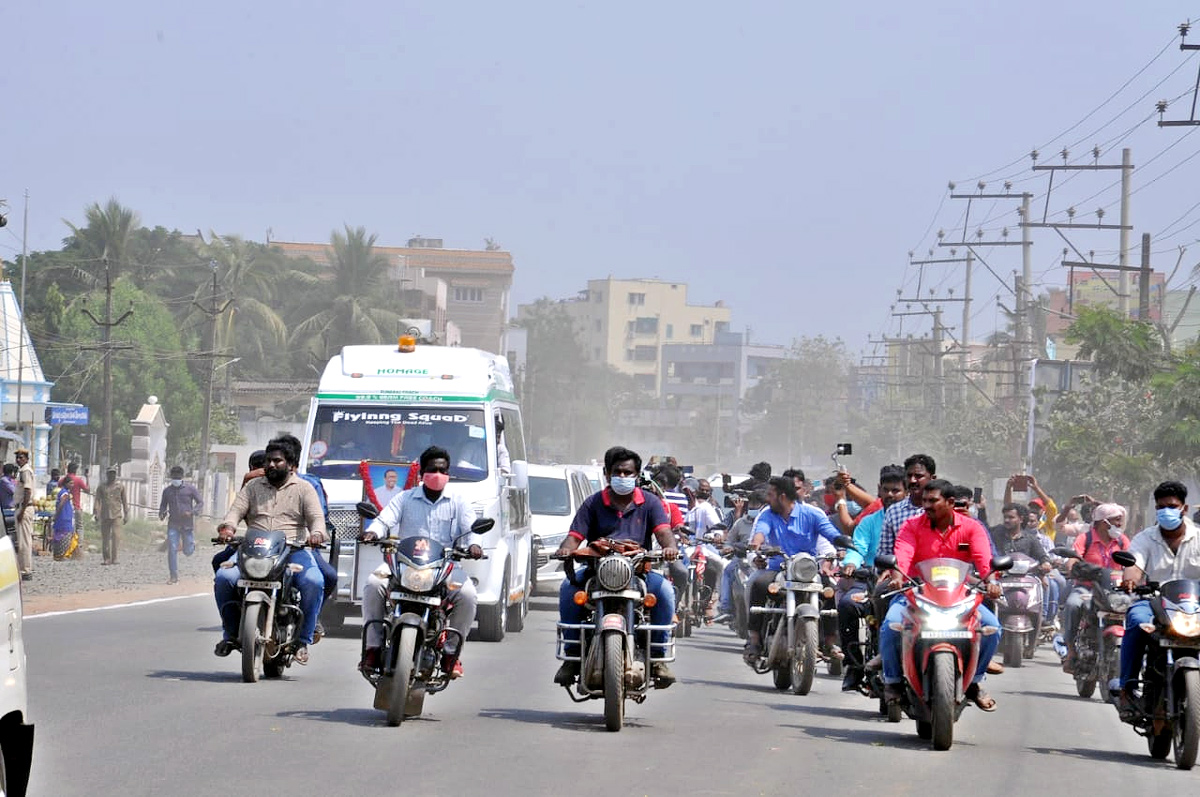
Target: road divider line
118	605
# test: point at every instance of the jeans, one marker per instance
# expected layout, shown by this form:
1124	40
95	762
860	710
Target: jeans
309	581
327	572
1071	611
1056	587
890	641
661	613
849	612
189	546
1133	646
461	617
756	595
725	602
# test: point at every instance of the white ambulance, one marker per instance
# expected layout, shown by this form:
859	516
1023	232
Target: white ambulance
387	404
16	734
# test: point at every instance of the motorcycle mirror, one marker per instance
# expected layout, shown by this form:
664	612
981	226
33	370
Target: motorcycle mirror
1066	553
718	527
1002	563
885	562
842	541
366	509
482	526
1124	558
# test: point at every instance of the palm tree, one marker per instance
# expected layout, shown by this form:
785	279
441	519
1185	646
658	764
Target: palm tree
357	311
106	238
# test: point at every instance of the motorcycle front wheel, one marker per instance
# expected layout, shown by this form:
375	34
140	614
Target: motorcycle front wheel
941	696
1187	720
252	642
614	681
804	656
402	675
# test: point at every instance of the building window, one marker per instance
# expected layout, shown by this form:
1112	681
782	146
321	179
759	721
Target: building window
598	324
598	296
721	327
670	331
697	330
646	326
468	295
637	299
645	354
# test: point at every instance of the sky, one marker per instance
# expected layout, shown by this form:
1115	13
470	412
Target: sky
783	157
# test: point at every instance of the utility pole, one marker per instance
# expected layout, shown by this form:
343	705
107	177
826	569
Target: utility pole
1123	257
939	392
212	312
21	342
1144	282
106	345
964	351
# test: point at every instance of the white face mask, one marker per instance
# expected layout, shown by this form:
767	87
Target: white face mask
176	482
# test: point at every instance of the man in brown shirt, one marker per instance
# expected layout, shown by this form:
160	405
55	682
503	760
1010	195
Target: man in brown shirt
112	507
25	513
276	501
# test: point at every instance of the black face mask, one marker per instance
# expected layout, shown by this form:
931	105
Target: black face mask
276	476
704	496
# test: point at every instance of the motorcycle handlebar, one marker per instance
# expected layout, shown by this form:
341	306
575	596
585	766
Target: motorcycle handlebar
295	546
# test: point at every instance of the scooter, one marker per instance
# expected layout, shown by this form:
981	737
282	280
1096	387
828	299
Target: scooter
941	639
1019	610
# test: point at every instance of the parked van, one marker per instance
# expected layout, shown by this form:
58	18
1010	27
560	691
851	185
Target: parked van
16	734
387	404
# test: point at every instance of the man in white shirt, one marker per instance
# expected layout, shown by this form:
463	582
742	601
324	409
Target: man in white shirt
390	488
1166	551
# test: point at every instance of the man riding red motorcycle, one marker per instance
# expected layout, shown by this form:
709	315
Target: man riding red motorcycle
939	533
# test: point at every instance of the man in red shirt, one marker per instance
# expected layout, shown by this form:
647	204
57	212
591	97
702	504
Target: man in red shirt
1095	546
939	533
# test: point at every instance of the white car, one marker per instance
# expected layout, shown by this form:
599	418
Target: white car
555	493
16	735
593	473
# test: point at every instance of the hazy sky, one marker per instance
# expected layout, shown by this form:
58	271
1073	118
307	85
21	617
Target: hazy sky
782	156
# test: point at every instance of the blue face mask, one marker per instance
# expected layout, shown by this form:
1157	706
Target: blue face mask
176	482
622	485
752	513
1169	518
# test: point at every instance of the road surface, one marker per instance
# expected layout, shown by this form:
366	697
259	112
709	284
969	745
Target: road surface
131	701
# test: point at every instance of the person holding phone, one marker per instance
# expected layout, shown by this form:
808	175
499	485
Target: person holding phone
1043	507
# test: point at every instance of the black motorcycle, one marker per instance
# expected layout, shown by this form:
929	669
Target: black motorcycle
419	645
1101	626
271	617
1168	713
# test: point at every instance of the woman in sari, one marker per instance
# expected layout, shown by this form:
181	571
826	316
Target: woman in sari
65	539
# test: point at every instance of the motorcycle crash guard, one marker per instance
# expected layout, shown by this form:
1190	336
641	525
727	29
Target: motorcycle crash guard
1186	663
807	610
411	620
256	596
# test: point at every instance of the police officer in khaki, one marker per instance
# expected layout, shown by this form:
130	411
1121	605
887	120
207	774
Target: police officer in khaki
25	513
112	507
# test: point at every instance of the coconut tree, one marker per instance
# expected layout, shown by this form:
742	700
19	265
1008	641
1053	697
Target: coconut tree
107	237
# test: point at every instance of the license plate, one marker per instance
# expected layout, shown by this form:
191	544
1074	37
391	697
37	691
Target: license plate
962	634
258	584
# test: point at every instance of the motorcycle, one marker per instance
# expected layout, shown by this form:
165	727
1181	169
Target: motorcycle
1019	610
615	648
1168	714
270	602
791	636
698	594
743	572
940	638
1101	626
419	646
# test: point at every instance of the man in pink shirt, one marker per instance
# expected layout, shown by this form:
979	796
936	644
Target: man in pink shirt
1095	546
939	533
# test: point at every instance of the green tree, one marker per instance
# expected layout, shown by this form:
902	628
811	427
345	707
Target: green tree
358	311
1131	350
106	236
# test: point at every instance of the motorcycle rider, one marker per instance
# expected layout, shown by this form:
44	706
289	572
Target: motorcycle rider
866	545
1095	547
621	511
793	526
424	511
1168	550
938	533
919	470
1010	537
277	501
738	539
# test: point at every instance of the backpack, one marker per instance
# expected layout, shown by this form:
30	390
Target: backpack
315	481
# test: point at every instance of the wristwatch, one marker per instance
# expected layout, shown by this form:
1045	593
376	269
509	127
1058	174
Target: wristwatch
841	502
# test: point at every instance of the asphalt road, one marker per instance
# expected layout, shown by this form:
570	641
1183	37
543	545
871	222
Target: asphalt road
131	701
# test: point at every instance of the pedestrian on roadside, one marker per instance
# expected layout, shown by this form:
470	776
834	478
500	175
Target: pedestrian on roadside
8	495
178	507
25	514
52	484
65	537
78	485
112	508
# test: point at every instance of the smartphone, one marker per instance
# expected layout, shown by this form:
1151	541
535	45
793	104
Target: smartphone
978	494
1021	483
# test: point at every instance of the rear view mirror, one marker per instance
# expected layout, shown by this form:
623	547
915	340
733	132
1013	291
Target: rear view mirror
366	509
1065	553
1002	563
842	541
885	562
482	526
1124	558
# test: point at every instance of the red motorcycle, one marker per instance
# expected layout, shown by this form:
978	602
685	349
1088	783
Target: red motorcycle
941	636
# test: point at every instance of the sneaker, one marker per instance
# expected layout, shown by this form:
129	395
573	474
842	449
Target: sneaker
225	647
893	692
723	617
457	672
567	673
1068	665
370	660
662	675
751	653
851	679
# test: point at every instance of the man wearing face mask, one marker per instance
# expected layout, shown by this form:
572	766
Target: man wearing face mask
1095	547
1168	550
278	500
737	540
424	511
180	502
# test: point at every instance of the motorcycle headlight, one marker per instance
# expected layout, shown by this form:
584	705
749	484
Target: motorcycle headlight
1185	625
257	567
941	620
417	579
802	568
614	573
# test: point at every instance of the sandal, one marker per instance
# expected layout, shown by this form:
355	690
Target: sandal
980	698
301	655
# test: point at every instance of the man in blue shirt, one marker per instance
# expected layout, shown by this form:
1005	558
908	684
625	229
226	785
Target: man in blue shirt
855	603
792	526
620	511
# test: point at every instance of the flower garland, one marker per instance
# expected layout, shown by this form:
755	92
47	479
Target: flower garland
364	472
